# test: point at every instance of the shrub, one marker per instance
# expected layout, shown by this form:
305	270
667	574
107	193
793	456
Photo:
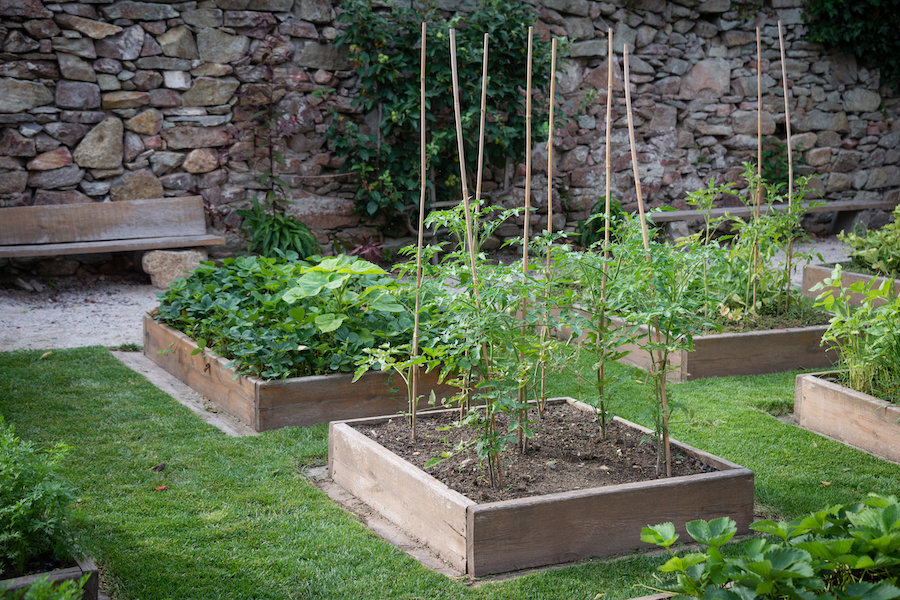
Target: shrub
34	502
839	552
877	251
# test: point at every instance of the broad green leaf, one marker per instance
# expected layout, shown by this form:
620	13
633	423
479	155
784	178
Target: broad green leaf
713	533
329	322
662	535
680	564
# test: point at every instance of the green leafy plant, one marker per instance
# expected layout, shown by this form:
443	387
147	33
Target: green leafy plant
34	502
864	28
843	552
591	230
384	46
877	251
867	336
336	308
45	589
267	225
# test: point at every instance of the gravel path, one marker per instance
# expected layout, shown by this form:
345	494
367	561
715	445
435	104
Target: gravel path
68	312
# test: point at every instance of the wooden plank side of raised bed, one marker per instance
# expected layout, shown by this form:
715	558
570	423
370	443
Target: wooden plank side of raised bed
758	352
204	372
813	274
848	416
428	510
315	399
599	521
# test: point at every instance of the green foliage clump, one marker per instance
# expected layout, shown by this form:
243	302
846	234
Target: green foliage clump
34	502
385	47
845	552
867	336
877	251
272	232
864	28
279	318
45	589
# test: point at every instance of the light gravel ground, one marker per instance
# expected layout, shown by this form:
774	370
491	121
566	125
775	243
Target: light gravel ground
69	312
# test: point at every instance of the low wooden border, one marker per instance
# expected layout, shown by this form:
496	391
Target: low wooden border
813	274
84	566
498	537
265	405
848	416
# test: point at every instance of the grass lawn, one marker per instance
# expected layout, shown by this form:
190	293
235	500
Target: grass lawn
237	519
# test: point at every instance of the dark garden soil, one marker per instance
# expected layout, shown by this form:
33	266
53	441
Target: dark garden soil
566	453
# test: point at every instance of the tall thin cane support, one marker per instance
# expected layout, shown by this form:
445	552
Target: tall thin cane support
661	357
790	159
414	378
527	227
601	373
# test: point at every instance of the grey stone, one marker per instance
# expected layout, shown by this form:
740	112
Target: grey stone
714	6
624	35
816	120
323	56
102	147
164	266
136	185
165	162
573	7
45	197
19	43
108	83
13	182
77	95
94	188
83	47
33	9
67	133
29	69
122	46
76	68
139	11
590	48
861	100
177	80
13	143
203	17
208	91
20	96
215	46
163	63
56	178
178	42
709	78
93	29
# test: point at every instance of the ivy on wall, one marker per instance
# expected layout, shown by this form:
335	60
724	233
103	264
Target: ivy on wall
868	29
384	47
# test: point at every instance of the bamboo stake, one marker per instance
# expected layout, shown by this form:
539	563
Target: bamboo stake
601	373
758	159
527	226
661	358
414	378
790	158
470	238
484	82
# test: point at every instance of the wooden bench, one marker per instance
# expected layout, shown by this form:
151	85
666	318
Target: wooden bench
745	212
96	227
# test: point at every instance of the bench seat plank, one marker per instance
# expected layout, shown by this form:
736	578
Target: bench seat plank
157	243
745	212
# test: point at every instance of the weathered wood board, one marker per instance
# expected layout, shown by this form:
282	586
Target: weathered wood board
85	566
813	274
848	416
265	405
93	227
530	532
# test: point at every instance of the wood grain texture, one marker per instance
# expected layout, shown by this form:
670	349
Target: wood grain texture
85	566
96	221
813	274
159	243
846	415
426	509
295	402
541	530
744	212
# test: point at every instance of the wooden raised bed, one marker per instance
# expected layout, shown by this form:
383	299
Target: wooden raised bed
83	566
743	353
498	537
813	274
848	416
265	405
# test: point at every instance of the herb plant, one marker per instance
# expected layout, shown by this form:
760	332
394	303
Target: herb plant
34	503
843	552
867	336
877	251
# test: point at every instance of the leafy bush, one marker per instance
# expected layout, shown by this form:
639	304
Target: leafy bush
845	552
279	318
34	502
44	589
867	336
272	232
877	251
864	28
384	47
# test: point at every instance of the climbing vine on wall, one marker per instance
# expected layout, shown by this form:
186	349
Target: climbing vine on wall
865	28
384	47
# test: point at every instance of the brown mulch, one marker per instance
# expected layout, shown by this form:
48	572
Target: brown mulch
566	453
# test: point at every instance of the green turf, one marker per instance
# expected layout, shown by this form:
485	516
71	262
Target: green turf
239	520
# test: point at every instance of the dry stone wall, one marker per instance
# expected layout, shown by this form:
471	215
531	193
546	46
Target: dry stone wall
118	100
